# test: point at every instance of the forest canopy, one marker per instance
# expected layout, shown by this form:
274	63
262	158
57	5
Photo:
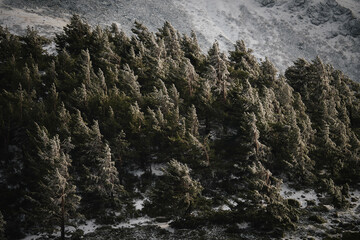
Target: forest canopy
77	124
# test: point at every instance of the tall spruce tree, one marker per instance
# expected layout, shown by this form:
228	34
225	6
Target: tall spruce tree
54	201
218	62
176	193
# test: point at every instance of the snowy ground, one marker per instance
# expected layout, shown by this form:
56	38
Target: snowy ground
303	196
334	218
90	226
17	19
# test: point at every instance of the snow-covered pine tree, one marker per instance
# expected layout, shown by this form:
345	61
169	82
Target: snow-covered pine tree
137	117
191	48
172	41
131	83
192	121
218	62
191	77
54	201
244	63
98	177
105	184
75	37
176	193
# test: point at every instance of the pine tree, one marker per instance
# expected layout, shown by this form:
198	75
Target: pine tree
55	200
105	184
191	77
172	41
160	97
176	194
243	61
192	49
76	36
131	82
218	62
98	177
268	74
34	45
86	68
102	87
193	122
137	117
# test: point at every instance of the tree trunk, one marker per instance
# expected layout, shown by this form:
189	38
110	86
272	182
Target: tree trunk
63	215
224	90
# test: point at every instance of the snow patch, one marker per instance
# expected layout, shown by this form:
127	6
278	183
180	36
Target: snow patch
89	226
302	195
166	226
144	221
18	19
243	225
137	173
139	204
223	207
50	48
232	202
134	222
156	169
33	237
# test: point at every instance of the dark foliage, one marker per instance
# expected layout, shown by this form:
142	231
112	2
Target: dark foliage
106	104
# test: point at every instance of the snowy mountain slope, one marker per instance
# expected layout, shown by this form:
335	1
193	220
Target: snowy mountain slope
282	30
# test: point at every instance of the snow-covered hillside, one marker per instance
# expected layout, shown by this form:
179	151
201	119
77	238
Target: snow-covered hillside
282	30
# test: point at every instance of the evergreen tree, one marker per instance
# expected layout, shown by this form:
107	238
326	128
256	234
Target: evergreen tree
191	77
137	117
172	41
76	36
98	177
244	63
34	45
120	41
131	82
193	122
192	49
55	199
218	62
176	194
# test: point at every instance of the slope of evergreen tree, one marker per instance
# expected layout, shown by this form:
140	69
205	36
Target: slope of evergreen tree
86	130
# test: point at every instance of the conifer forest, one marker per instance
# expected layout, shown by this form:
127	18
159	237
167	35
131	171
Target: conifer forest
145	136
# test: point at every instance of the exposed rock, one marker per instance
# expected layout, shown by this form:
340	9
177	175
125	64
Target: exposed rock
268	3
354	27
319	14
332	3
357	210
340	10
299	2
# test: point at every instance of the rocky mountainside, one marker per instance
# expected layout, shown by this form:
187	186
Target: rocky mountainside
281	30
